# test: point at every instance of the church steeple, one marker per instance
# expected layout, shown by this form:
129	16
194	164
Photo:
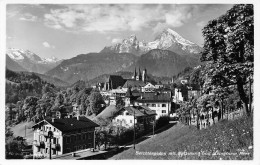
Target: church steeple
134	76
144	76
139	75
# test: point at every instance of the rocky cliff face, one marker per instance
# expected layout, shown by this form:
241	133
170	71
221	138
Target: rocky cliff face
167	40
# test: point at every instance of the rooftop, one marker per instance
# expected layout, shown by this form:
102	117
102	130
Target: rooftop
133	83
69	124
154	97
139	111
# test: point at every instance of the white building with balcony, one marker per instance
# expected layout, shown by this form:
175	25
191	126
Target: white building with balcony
69	135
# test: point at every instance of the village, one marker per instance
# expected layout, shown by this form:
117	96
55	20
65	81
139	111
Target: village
144	103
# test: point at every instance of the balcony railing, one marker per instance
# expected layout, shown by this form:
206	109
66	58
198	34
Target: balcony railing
39	144
55	147
44	133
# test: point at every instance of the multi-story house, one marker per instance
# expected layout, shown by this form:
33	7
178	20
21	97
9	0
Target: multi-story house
160	102
69	135
140	115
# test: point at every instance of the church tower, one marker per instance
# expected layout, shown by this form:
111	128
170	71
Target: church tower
128	97
139	76
144	77
134	76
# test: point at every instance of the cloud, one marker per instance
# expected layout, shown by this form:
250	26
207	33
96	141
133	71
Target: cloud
47	45
13	10
201	24
113	18
116	40
159	28
28	17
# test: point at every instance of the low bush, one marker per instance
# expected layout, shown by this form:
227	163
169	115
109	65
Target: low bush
162	121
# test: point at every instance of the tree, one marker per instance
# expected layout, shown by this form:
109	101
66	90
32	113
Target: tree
95	100
119	103
29	106
59	100
229	45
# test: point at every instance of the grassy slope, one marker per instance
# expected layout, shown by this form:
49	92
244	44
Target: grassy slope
19	130
225	137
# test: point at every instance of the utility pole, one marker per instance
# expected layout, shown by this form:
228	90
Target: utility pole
250	94
134	129
222	108
24	131
94	139
153	127
50	149
50	136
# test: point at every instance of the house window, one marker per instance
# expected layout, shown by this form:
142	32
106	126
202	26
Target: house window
163	111
131	121
54	129
54	140
163	105
158	105
147	105
38	149
68	139
46	150
127	114
54	152
153	105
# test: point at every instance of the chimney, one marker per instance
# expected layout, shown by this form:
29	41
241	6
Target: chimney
78	117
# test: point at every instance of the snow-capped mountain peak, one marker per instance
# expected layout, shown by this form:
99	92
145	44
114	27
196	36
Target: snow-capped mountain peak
168	39
20	54
31	61
179	38
15	54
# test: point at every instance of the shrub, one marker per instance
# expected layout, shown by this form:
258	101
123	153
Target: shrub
162	121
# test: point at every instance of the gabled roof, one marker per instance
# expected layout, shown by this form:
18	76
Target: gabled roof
154	97
133	83
116	81
69	124
139	111
149	84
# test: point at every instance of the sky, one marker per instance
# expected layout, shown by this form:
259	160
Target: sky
64	31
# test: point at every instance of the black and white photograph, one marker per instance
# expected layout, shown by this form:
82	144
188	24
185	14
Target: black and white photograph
129	81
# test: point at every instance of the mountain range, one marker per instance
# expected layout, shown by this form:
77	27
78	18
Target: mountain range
88	66
29	61
165	56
